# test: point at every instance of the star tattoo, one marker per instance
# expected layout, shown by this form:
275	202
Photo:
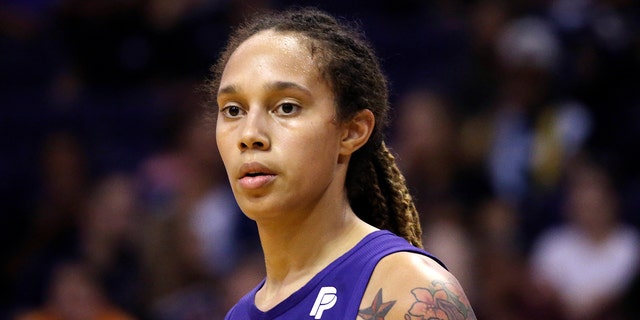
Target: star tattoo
378	309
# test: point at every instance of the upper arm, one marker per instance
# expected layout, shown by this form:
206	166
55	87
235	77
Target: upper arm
410	286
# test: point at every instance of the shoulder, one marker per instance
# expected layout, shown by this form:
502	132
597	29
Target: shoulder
408	286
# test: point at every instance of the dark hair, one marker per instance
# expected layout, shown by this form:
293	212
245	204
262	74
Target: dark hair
376	189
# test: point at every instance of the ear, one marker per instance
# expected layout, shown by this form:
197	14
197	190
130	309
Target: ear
357	132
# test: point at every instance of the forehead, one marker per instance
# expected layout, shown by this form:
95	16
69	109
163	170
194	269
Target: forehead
288	52
287	41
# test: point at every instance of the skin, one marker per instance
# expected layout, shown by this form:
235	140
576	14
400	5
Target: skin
286	158
423	290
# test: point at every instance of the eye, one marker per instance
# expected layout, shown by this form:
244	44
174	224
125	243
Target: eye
232	111
287	108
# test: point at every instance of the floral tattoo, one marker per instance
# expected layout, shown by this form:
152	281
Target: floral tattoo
378	309
441	301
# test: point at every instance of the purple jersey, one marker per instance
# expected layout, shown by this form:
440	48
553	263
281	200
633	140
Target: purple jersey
335	292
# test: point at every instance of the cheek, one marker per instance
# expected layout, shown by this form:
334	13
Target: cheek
317	150
224	144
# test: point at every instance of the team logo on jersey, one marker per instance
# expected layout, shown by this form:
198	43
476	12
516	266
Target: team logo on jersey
326	299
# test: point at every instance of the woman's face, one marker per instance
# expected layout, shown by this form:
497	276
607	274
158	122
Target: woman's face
276	130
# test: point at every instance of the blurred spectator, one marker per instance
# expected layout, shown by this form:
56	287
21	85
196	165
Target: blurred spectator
109	237
487	19
428	162
214	217
589	260
428	143
199	225
188	178
53	232
537	129
103	238
505	289
79	221
177	284
602	68
75	294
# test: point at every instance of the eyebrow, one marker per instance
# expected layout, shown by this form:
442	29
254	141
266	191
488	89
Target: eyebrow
276	86
230	89
284	85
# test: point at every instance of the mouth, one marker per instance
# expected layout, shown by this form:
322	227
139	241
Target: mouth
255	175
255	169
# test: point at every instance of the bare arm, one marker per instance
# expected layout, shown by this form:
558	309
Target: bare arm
409	289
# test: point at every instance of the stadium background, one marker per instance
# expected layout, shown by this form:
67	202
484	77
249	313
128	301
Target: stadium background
107	175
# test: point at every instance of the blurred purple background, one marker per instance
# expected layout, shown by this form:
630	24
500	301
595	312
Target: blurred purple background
517	124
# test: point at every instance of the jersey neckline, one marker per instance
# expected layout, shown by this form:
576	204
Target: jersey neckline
306	289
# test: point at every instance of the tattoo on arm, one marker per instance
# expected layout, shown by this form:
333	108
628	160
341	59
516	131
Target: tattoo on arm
442	300
378	309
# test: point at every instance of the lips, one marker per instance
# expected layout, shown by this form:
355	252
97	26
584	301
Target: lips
255	175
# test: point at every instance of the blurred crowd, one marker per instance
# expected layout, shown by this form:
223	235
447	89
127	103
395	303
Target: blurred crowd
516	124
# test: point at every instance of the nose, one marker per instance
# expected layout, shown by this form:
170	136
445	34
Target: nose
254	133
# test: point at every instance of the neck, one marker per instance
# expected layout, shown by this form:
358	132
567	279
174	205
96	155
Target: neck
296	251
304	244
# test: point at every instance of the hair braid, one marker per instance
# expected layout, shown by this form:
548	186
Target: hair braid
379	211
378	194
406	216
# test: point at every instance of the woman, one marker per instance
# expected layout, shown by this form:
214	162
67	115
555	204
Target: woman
302	106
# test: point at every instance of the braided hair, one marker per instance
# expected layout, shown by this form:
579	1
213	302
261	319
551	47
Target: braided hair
376	188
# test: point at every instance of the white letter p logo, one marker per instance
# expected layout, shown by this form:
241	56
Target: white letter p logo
326	300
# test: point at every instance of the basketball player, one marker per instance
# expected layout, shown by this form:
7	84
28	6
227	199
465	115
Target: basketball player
302	106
